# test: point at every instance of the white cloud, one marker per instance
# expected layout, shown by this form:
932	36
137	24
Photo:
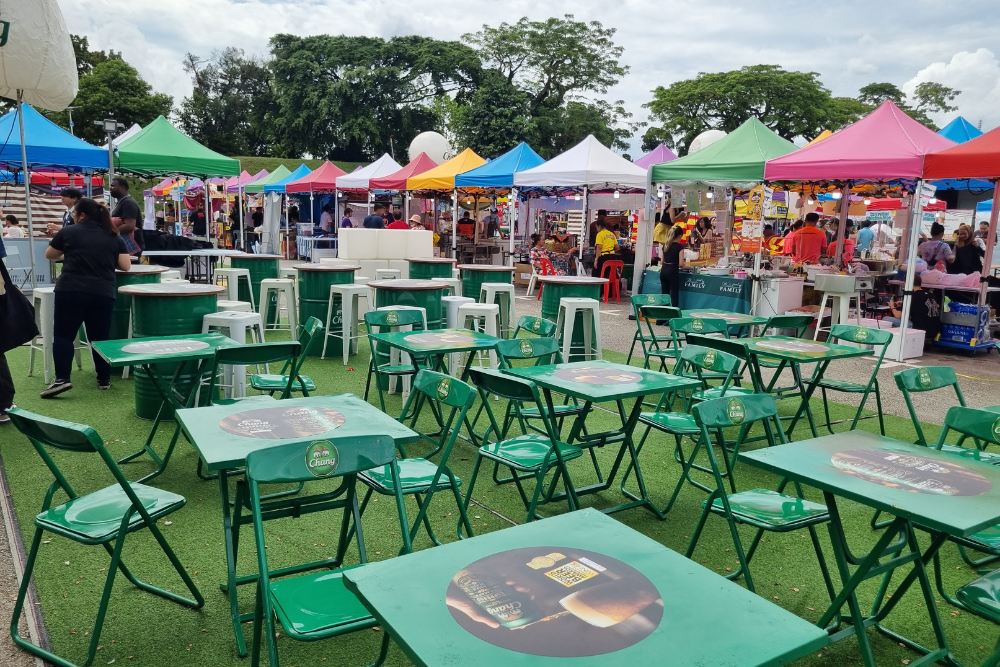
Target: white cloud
977	75
860	66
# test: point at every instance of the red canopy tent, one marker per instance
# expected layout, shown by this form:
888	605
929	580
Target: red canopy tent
896	203
397	180
323	179
61	179
978	158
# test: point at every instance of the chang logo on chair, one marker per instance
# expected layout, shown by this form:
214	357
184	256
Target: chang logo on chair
322	458
861	335
444	388
527	348
736	410
391	318
697	325
924	378
536	325
996	430
710	358
651	299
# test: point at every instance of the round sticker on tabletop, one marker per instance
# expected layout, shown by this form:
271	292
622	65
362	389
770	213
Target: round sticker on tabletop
736	410
444	388
924	378
175	346
861	335
321	458
280	423
697	325
536	325
710	359
554	601
909	472
527	348
392	318
597	375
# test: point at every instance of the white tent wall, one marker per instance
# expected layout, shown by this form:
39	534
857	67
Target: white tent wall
270	234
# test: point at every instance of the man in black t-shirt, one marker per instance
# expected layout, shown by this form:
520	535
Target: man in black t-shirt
375	220
257	218
198	220
127	216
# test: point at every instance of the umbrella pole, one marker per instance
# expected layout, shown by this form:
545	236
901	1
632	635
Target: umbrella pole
991	238
26	175
209	217
916	211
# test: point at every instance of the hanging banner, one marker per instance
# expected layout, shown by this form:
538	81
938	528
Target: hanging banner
759	206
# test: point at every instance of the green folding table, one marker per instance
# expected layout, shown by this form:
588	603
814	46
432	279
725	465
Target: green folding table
600	381
735	320
224	435
150	354
921	487
577	590
421	344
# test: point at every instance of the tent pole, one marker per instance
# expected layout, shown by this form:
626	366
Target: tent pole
583	225
311	213
89	175
454	224
644	237
208	208
26	175
845	204
916	211
991	238
239	208
511	221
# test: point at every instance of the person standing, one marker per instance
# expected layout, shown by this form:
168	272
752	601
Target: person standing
605	245
199	223
127	216
397	221
673	260
91	250
69	197
346	221
809	241
865	236
326	219
375	220
934	249
969	252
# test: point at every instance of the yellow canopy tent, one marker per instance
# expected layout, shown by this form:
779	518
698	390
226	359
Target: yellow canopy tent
442	177
820	137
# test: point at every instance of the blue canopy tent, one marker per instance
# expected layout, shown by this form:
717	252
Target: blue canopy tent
279	186
499	174
47	145
960	131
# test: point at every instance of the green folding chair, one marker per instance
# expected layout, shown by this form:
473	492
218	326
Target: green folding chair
683	327
526	455
103	517
289	380
420	477
798	325
982	598
763	509
538	326
708	364
286	353
317	605
380	362
658	346
646	342
854	334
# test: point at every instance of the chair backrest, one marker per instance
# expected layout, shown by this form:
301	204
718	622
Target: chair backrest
733	347
393	318
699	325
740	411
518	391
612	267
250	355
708	359
437	390
983	425
926	378
864	335
310	334
536	325
334	457
798	323
542	350
653	314
443	389
648	300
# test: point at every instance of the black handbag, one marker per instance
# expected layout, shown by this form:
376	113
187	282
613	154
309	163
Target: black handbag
17	315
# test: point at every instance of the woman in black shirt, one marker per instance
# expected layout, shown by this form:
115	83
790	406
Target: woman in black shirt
85	292
673	259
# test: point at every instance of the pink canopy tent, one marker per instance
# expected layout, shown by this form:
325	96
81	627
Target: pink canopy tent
323	179
658	155
234	184
397	180
199	186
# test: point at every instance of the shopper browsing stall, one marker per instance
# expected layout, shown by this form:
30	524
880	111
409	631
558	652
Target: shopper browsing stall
809	241
606	243
673	260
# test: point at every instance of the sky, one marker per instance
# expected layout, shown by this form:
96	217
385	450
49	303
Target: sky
849	43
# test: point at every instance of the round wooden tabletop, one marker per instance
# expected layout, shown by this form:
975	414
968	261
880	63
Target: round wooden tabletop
485	267
143	268
405	284
171	289
326	267
572	280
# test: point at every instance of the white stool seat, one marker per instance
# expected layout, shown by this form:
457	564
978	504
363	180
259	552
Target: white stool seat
234	306
451	305
388	274
232	278
283	287
504	293
454	285
350	308
235	325
45	309
840	304
483	317
170	275
565	323
293	275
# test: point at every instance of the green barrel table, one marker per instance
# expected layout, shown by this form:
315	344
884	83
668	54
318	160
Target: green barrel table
428	268
424	294
556	287
167	309
138	274
474	275
261	267
314	282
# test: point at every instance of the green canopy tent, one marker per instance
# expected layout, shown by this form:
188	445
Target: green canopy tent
278	174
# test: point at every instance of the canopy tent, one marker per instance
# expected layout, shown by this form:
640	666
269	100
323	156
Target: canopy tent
279	185
277	175
825	134
589	164
127	134
397	180
160	148
46	144
960	130
499	174
238	183
322	179
735	161
199	185
442	177
360	179
658	155
61	179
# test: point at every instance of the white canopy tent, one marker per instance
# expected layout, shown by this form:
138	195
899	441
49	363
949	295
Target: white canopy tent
358	180
130	132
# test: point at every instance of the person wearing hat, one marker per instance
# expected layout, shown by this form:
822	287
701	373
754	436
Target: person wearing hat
416	222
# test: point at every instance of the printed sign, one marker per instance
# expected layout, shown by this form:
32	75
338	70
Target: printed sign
758	207
879	216
176	346
736	410
597	375
912	473
554	601
280	423
321	458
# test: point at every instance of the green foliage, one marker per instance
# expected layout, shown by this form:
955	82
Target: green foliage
875	94
564	127
87	60
113	89
928	97
496	117
231	109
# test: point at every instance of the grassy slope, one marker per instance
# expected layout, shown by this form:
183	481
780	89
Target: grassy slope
145	630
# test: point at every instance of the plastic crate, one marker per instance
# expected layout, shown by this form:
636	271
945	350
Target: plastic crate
957	333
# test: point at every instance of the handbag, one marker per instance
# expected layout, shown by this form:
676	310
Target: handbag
17	315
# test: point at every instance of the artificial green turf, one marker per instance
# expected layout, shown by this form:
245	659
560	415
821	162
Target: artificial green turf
146	630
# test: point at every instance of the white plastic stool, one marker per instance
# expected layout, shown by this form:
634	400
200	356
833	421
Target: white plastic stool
293	275
397	357
283	286
591	311
490	292
350	308
234	306
336	261
455	273
483	317
454	285
232	278
450	305
388	274
170	275
235	325
45	309
840	305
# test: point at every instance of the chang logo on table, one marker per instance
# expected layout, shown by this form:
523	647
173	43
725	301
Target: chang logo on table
736	410
924	378
392	318
444	388
527	348
321	458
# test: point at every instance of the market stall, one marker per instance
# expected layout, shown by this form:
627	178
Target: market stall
440	181
270	233
321	181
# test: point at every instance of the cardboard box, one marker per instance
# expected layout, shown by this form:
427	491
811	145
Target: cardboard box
522	274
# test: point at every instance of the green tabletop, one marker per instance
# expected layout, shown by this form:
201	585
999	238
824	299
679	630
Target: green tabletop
939	491
161	350
733	319
800	350
225	434
600	381
609	596
441	341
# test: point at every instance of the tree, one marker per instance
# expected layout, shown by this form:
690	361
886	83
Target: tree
496	118
87	60
875	94
563	128
790	103
344	97
113	89
931	97
232	106
928	97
